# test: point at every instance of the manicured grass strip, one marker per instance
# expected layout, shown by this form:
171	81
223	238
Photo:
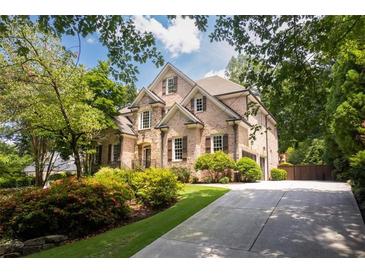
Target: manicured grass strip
127	240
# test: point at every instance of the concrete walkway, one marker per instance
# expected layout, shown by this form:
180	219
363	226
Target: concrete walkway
270	219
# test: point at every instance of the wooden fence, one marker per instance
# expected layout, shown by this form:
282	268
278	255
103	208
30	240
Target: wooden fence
309	172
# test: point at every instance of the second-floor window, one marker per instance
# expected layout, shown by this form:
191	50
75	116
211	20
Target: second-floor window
145	120
199	104
178	149
217	141
171	84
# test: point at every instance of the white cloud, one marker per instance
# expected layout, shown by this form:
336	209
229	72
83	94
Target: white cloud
182	36
220	73
90	40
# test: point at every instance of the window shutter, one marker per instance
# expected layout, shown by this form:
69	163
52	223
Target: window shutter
169	149
175	84
192	104
185	148
164	87
204	103
207	144
225	143
109	153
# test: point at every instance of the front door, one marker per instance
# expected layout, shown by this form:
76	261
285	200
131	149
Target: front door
147	157
262	165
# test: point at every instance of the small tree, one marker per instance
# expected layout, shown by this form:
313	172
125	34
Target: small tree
217	164
249	170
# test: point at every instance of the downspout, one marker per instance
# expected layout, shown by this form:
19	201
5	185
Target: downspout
121	150
235	126
267	149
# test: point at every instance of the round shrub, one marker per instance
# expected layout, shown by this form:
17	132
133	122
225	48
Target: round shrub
217	164
72	208
224	180
182	174
249	170
114	177
156	187
278	174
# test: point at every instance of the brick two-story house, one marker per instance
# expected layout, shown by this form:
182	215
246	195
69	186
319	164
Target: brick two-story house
176	119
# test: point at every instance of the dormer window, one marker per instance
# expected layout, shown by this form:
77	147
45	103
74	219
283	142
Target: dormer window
145	120
169	85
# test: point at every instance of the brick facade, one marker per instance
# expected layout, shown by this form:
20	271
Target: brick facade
215	121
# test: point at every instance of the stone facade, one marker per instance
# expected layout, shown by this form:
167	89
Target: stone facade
152	144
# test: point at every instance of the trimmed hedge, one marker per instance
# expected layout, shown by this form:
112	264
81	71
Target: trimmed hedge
14	182
278	174
249	170
156	187
72	208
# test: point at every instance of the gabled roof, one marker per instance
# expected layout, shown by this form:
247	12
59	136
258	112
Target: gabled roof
151	94
215	100
172	67
177	107
217	85
124	125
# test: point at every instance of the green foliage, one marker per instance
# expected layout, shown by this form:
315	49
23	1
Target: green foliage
249	170
217	164
114	177
156	187
126	45
308	152
57	176
71	208
278	174
11	168
224	180
285	164
108	96
182	174
357	164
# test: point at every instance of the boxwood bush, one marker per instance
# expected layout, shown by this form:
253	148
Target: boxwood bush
71	208
156	187
218	164
278	174
249	170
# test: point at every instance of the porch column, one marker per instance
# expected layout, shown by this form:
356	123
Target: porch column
162	134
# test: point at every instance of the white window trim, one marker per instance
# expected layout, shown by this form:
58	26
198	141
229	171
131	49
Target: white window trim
140	123
212	142
196	104
167	85
173	149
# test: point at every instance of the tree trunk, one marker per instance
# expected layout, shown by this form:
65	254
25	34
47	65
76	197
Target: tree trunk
76	153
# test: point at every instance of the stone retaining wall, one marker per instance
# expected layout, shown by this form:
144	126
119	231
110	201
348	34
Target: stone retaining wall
15	248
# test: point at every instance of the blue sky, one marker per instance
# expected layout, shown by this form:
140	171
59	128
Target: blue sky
180	43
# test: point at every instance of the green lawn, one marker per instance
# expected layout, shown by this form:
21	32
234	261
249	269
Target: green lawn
127	240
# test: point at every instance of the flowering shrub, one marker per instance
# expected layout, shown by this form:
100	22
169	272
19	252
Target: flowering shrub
156	187
182	174
249	170
278	174
113	177
71	208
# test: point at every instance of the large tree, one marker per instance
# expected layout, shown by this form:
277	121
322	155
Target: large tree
43	91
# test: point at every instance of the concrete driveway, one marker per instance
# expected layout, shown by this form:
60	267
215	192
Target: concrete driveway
270	219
